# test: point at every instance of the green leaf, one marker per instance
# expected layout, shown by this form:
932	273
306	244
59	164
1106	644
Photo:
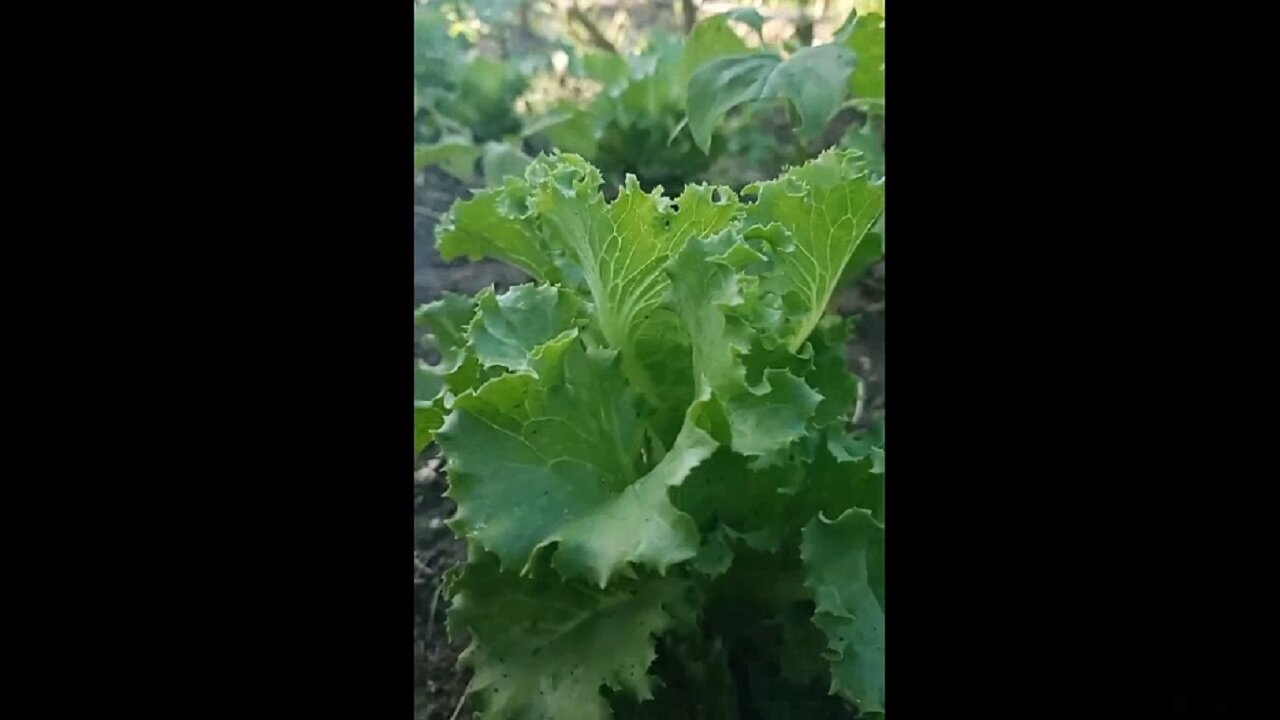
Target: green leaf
621	248
753	506
844	566
502	160
543	649
427	419
867	253
428	382
608	69
455	155
493	224
814	217
571	130
864	35
829	373
768	417
446	321
556	459
868	144
710	38
721	85
484	98
509	327
764	418
813	80
846	472
715	556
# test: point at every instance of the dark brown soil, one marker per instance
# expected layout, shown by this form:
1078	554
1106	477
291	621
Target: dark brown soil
438	684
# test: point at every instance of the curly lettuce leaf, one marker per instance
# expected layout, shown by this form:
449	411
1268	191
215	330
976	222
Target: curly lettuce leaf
507	328
815	217
542	649
554	459
618	250
844	566
766	417
494	224
445	322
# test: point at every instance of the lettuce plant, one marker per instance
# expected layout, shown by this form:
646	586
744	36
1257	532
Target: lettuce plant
667	511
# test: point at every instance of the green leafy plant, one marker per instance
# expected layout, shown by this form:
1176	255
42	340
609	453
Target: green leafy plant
815	82
667	511
457	155
464	101
635	124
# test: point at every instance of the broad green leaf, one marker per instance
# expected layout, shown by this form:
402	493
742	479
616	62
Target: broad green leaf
455	155
864	35
710	38
571	130
501	160
509	327
542	649
813	80
721	85
844	566
657	82
608	69
815	216
556	460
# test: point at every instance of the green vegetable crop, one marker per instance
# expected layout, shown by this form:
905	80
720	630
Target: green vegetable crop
815	81
667	511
